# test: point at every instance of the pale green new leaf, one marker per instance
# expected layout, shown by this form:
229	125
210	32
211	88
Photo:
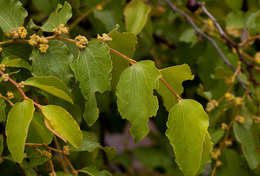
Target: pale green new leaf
16	63
92	70
12	15
93	171
60	16
2	110
52	85
55	62
249	142
124	43
174	76
136	14
17	125
62	124
135	98
187	133
38	133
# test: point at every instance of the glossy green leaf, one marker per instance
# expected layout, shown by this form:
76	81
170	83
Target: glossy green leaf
52	85
60	16
136	15
89	142
92	70
12	15
17	125
59	121
2	110
38	133
135	98
93	171
249	142
174	76
56	62
187	133
16	63
124	43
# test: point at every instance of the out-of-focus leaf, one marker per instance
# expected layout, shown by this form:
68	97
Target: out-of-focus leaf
235	5
174	76
124	43
89	143
135	98
12	15
16	63
60	16
188	36
217	135
56	62
136	15
2	110
187	126
92	70
38	133
93	171
17	125
252	23
59	121
45	6
52	85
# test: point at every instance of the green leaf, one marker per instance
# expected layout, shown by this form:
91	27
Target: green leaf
34	158
12	15
249	142
124	43
187	133
17	125
136	14
235	5
1	144
2	110
207	148
60	16
59	121
252	23
38	133
92	70
16	63
232	164
135	98
93	171
56	62
89	143
188	36
174	76
44	6
52	85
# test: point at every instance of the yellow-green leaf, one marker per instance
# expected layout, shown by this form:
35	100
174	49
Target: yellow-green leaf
136	15
187	133
63	124
174	76
52	85
17	125
135	98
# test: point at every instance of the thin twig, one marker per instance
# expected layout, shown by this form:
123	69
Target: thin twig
47	147
85	14
231	42
198	31
7	99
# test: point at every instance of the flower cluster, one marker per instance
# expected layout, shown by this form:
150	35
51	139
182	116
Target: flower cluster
40	42
61	29
20	32
104	38
81	41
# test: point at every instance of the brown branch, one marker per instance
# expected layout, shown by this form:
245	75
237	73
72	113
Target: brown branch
248	40
7	99
231	42
47	147
198	31
85	14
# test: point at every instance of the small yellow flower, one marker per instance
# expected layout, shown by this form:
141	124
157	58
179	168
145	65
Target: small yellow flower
61	29
212	104
238	101
5	77
235	32
14	34
1	49
228	142
215	154
99	7
43	47
2	67
21	84
257	57
224	126
10	95
218	163
104	38
240	119
81	41
22	32
229	96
